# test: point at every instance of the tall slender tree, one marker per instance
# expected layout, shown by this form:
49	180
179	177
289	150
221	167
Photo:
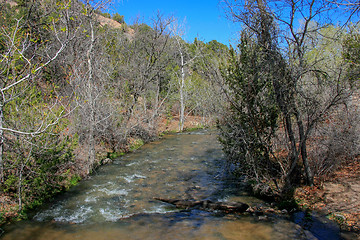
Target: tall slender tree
185	60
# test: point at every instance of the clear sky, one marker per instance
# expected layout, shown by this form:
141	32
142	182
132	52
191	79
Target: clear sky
205	19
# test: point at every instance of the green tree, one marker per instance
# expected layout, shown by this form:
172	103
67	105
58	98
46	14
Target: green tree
119	18
248	132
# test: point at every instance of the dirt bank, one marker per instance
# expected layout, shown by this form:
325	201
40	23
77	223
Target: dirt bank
338	197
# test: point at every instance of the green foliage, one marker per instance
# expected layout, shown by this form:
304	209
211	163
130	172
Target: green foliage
351	54
10	183
193	128
198	90
217	48
107	15
42	170
168	132
119	18
74	180
115	155
249	129
35	163
136	144
325	46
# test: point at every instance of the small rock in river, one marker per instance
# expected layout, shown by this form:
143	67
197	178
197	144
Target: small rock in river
284	211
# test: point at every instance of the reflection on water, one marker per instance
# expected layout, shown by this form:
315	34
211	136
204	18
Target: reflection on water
117	202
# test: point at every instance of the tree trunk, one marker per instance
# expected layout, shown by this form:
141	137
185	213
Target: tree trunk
182	104
91	103
291	176
20	186
1	145
303	150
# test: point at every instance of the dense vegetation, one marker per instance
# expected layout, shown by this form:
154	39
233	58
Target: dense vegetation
77	87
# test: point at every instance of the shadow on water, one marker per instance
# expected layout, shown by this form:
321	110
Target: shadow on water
320	227
117	202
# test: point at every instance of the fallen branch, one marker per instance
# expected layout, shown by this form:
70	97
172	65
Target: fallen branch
207	205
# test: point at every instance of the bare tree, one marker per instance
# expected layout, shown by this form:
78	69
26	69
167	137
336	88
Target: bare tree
304	91
185	59
139	63
351	7
88	79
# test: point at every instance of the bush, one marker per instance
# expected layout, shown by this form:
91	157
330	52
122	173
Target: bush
335	141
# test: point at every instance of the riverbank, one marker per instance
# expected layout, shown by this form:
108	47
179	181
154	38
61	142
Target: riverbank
9	207
337	197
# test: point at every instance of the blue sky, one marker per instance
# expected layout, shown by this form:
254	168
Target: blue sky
204	18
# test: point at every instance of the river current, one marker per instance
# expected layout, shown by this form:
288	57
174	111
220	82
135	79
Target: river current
116	202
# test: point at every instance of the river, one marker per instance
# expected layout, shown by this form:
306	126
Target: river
116	202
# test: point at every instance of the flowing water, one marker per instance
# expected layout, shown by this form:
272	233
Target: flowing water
117	201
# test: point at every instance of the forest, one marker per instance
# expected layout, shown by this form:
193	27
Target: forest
80	86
